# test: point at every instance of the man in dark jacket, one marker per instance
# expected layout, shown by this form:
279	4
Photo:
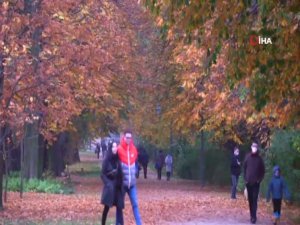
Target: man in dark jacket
254	171
235	171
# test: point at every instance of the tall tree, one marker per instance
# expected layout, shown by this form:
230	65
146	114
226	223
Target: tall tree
222	73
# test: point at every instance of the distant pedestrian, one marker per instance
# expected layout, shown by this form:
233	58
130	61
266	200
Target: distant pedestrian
103	147
169	165
277	189
98	150
235	171
159	163
254	171
143	159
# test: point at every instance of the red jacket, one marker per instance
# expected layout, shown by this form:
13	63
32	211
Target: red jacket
128	156
123	152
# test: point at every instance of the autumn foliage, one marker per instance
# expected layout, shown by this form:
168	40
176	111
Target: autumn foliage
228	85
61	58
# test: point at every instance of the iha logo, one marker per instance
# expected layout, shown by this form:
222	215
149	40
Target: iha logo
258	40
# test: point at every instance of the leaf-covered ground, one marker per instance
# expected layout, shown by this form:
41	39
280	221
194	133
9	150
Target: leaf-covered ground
161	202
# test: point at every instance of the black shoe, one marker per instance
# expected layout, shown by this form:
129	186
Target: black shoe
253	220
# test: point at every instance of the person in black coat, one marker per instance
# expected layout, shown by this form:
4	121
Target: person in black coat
98	150
111	175
103	147
159	163
143	159
254	171
235	168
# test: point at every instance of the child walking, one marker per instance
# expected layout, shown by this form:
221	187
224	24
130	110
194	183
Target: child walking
278	189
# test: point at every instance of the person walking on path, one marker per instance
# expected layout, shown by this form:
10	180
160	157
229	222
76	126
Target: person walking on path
111	175
254	171
98	150
235	171
169	165
128	155
277	189
143	159
159	163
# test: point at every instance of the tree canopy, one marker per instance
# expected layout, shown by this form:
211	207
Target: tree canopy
226	83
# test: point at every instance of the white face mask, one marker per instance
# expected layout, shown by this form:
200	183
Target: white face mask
254	150
114	148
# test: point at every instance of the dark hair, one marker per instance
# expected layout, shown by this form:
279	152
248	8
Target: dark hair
127	131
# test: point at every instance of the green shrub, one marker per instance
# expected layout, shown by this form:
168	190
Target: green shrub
216	162
217	166
187	163
43	186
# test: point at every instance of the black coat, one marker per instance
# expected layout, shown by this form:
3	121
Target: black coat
254	169
235	167
143	157
111	175
160	160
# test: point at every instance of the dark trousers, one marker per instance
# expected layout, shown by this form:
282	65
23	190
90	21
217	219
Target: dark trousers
277	206
145	171
168	175
234	182
119	216
104	214
159	173
253	190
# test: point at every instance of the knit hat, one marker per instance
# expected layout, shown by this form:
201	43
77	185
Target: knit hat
276	168
254	144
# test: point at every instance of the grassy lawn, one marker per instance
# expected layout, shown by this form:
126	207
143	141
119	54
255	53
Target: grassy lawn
86	168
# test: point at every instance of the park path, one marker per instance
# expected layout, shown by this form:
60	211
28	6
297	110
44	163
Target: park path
161	203
182	202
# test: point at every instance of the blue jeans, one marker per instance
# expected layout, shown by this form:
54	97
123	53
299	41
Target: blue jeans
234	182
132	193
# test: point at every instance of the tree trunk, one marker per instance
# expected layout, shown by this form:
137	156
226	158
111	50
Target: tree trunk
31	142
5	151
1	176
22	166
56	154
31	151
201	159
2	136
2	130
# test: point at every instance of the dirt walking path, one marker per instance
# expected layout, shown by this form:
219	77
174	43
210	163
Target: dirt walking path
160	202
184	202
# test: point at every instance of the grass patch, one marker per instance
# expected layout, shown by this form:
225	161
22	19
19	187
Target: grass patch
86	169
47	185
